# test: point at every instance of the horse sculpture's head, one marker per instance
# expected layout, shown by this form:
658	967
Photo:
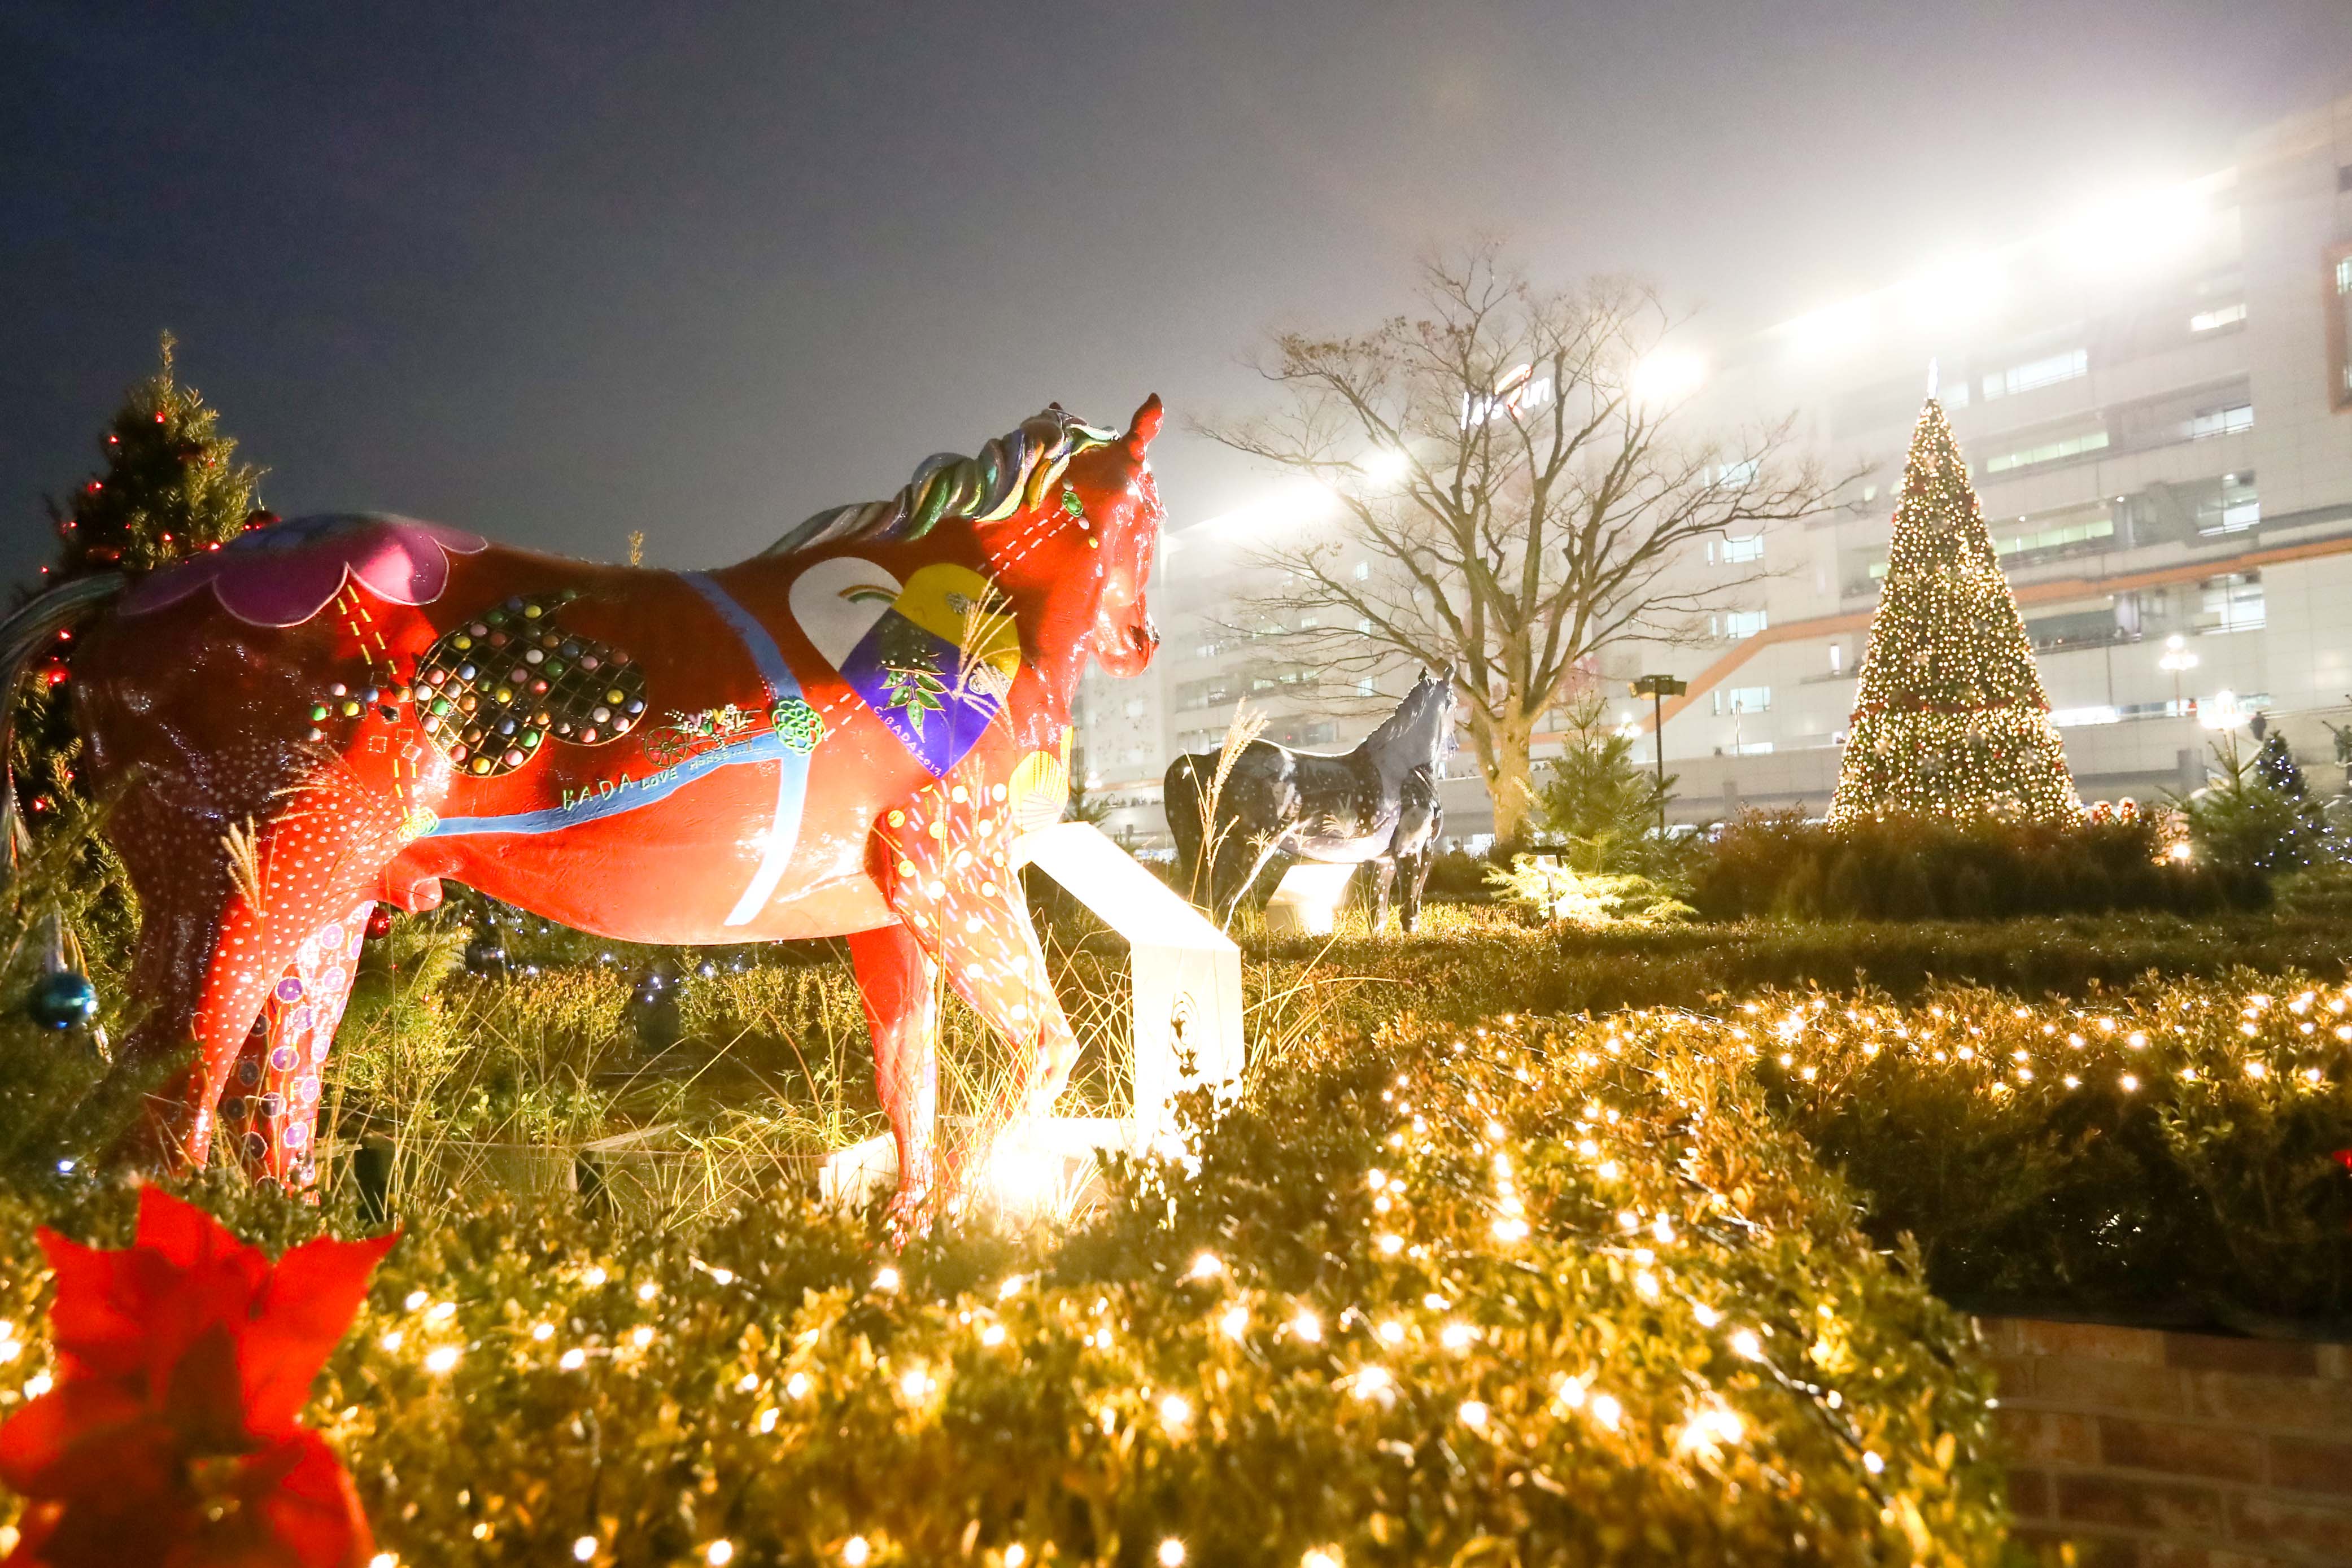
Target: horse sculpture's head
1115	530
1067	517
1428	710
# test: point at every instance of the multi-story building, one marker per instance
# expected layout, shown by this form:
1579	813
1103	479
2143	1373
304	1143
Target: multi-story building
2157	403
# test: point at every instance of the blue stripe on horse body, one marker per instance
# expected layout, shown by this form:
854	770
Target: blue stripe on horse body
791	766
765	747
783	834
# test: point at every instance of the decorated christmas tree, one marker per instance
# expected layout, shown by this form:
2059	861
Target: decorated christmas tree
170	488
1951	720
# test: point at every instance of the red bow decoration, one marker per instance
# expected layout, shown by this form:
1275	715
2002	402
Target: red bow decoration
173	1434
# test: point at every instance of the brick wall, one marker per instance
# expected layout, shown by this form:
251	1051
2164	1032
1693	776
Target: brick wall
2168	1450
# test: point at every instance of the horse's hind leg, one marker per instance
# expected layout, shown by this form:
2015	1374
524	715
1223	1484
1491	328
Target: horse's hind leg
271	1107
227	913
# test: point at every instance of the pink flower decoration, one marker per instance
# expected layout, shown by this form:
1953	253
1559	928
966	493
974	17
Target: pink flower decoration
285	573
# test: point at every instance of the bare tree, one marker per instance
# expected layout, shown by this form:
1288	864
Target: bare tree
1511	498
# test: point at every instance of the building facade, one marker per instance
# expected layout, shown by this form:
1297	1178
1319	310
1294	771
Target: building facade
2157	405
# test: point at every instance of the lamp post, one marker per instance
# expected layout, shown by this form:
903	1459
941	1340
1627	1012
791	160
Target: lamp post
1658	688
2177	658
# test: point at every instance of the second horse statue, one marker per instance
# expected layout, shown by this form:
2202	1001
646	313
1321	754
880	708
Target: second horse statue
1375	804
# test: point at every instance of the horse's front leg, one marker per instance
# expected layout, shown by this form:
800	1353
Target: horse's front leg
942	864
1383	875
900	984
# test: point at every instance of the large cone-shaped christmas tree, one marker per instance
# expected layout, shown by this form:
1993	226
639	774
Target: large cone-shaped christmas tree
1951	720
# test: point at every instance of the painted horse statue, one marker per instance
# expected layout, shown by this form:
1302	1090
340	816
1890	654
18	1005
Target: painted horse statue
1375	804
839	736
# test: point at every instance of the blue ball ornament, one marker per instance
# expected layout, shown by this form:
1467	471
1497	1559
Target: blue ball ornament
63	1001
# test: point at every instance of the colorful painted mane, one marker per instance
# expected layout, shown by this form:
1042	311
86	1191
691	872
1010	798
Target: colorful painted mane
840	737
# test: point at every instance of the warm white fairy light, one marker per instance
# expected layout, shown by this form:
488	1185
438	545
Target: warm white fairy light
1207	1266
1175	1411
855	1551
573	1360
1307	1326
1390	1332
1235	1322
1319	1557
594	1277
886	1278
719	1553
542	1332
1746	1345
415	1300
442	1359
1015	1555
1172	1553
584	1549
1474	1413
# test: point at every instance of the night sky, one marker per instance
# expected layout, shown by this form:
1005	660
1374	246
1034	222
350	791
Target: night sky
561	272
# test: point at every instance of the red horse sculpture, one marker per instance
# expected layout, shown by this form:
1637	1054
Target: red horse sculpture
840	737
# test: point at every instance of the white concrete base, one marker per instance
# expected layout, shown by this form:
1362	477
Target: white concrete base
1037	1167
1306	901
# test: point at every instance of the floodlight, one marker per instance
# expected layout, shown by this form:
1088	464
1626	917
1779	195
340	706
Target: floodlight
1665	376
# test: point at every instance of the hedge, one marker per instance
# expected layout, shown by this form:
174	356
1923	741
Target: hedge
1912	869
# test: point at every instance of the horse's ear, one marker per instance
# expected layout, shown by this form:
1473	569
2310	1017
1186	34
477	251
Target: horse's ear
1143	426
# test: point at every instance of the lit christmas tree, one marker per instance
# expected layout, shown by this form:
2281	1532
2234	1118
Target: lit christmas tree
170	488
1951	720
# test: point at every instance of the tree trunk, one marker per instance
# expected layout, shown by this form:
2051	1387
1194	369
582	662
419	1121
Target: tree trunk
1503	758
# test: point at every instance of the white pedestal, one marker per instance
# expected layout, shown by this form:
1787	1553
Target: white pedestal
1186	997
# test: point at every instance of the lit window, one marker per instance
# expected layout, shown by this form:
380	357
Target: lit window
2048	450
1363	571
1837	658
2232	602
1735	551
1744	699
1749	748
2080	527
2343	276
2230	506
2215	319
2221	420
1738	476
2048	371
1739	623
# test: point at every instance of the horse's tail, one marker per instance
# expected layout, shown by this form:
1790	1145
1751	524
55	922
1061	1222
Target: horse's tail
23	637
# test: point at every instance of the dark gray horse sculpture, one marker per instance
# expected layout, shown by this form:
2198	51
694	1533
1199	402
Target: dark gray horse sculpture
1376	803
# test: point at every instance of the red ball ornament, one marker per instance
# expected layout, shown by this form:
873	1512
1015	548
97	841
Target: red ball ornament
379	924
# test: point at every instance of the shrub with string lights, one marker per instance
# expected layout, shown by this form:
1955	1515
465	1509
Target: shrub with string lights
1530	1290
1950	719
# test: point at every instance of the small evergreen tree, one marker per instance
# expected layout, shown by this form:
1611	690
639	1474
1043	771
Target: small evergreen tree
2252	814
170	488
2275	766
1599	802
1951	719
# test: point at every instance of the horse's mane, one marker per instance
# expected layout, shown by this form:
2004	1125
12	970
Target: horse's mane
1010	473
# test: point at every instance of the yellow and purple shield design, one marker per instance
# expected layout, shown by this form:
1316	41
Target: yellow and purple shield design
933	658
